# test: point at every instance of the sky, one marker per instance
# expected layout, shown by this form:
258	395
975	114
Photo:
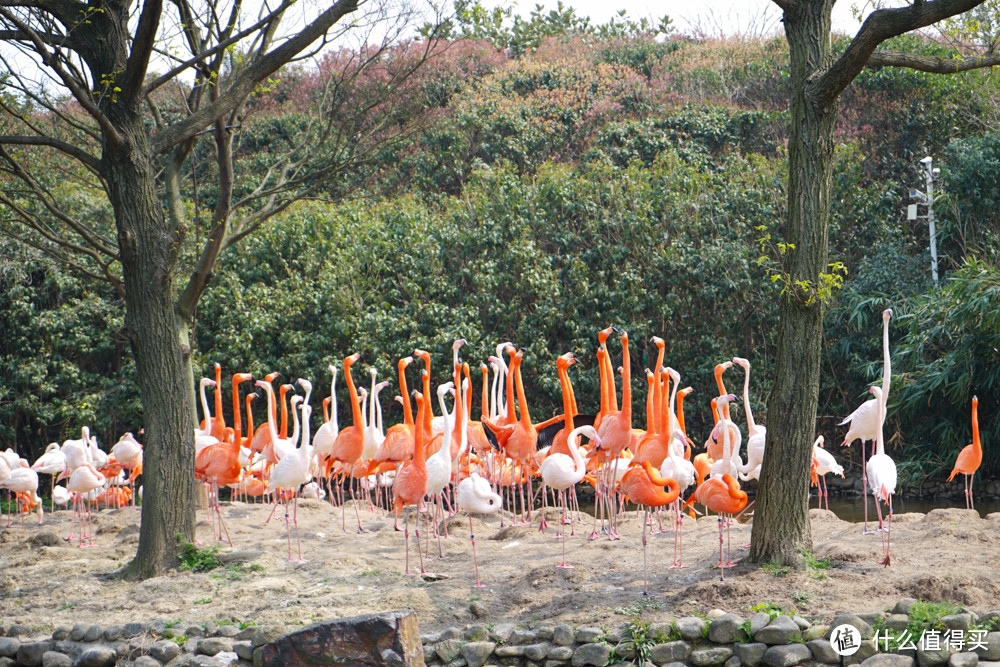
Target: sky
711	16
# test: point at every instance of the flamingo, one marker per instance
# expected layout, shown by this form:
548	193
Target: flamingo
676	467
128	452
825	463
882	473
970	457
218	425
4	476
864	422
474	494
756	433
83	481
52	463
644	486
291	472
410	484
262	436
326	435
713	446
439	464
562	472
615	430
721	493
205	429
23	481
77	451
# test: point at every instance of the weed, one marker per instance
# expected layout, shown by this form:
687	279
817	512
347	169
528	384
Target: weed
637	607
776	570
801	598
815	566
768	608
66	605
179	640
991	624
931	612
170	624
475	598
196	559
203	601
243	625
638	632
372	572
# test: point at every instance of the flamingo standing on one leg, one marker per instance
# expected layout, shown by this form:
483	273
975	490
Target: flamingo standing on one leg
23	482
865	422
882	475
970	457
474	494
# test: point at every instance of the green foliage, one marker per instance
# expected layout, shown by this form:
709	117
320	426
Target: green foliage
923	615
196	559
637	632
769	608
776	570
637	608
814	566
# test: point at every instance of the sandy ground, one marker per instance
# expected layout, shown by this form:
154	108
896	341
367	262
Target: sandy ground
947	554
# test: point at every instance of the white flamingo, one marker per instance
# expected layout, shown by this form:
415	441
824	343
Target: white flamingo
562	472
24	480
52	463
825	463
865	422
84	483
682	471
439	463
756	433
882	475
474	495
291	472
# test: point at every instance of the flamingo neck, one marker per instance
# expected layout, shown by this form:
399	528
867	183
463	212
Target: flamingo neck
352	392
626	383
282	392
746	402
976	444
522	400
407	408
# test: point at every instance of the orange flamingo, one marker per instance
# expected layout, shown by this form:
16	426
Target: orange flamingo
350	441
218	420
616	428
410	484
970	457
262	436
644	486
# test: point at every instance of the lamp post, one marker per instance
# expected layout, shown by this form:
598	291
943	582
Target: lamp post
927	199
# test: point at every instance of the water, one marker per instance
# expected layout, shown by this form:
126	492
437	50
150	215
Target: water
850	508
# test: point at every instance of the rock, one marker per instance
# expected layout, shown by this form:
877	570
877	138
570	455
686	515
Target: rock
113	633
45	539
733	662
266	633
132	629
991	652
591	654
244	650
615	635
536	651
963	660
449	649
501	632
690	627
239	556
561	654
625	649
545	634
97	656
57	659
822	651
477	653
30	653
522	637
562	635
62	632
157	627
904	605
865	651
18	630
872	618
758	621
714	614
751	654
957	621
145	661
815	632
724	629
214	645
709	657
194	631
853	620
211	629
801	622
677	651
164	650
934	657
781	630
509	652
93	634
246	634
9	646
661	632
888	660
477	633
430	638
588	635
227	631
374	639
479	609
896	622
451	633
787	655
78	631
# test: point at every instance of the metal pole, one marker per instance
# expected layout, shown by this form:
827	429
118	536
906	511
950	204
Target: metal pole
929	179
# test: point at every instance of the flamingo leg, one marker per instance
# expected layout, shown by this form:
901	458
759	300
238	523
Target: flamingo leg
218	510
475	562
645	518
864	493
406	537
288	532
416	530
564	564
678	527
295	520
722	566
361	529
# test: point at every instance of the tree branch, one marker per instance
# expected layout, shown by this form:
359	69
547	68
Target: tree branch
142	47
932	64
880	25
244	84
83	156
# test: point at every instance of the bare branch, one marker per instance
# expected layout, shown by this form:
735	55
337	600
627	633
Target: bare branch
142	46
248	80
932	64
880	25
76	152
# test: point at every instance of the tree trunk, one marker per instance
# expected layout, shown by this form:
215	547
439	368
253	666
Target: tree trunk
159	340
781	521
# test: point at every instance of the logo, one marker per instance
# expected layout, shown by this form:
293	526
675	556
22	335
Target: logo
845	640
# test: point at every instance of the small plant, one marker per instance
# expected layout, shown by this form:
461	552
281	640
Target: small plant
203	601
768	608
931	612
776	570
196	559
66	605
637	607
371	572
638	632
815	566
243	625
801	598
170	624
180	640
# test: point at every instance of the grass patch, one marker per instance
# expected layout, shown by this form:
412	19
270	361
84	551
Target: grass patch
196	559
637	607
801	598
776	570
204	601
637	632
814	566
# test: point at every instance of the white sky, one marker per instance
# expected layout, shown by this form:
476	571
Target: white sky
712	16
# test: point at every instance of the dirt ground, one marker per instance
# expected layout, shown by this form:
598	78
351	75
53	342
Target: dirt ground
947	554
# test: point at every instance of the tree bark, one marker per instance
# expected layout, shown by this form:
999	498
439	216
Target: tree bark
781	521
159	340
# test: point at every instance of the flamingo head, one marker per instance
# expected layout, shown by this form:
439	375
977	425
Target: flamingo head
265	385
424	355
271	377
740	361
975	400
239	378
685	391
674	375
326	402
351	360
565	361
624	337
332	369
445	389
305	384
658	342
886	314
205	382
458	343
602	335
819	441
398	399
381	385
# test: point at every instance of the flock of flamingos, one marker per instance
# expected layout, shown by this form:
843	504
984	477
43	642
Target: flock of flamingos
450	463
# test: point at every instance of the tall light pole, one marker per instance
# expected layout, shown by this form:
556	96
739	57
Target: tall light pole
927	199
